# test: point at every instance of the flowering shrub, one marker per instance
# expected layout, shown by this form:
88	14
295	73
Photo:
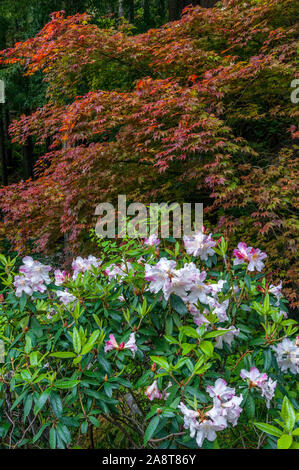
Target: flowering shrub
181	347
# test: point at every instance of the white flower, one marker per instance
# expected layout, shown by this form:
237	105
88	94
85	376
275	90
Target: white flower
268	390
65	297
227	337
287	355
200	245
276	291
220	390
80	265
160	276
152	240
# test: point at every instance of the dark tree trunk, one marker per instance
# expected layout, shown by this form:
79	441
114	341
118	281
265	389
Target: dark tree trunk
28	159
131	13
4	173
146	12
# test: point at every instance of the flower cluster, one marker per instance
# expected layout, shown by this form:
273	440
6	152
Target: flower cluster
80	265
226	409
200	245
287	355
34	275
259	380
153	392
130	344
250	255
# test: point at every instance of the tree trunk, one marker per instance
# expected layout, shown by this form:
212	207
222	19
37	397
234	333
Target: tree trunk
131	13
28	159
121	11
4	175
146	12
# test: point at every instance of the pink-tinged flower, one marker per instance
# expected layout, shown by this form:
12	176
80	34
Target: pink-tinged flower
118	272
184	280
35	271
297	340
200	245
220	390
153	392
60	277
65	297
22	284
268	390
152	240
255	259
160	276
219	308
112	344
199	290
217	287
227	337
190	419
80	265
241	253
229	410
287	355
250	255
205	427
255	378
276	291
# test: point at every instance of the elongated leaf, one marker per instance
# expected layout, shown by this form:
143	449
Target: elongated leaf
151	429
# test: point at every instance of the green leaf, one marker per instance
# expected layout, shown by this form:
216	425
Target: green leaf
41	401
151	429
65	383
207	348
214	334
94	421
284	442
63	354
178	305
161	361
90	343
250	406
52	438
27	406
56	404
76	341
267	428
288	414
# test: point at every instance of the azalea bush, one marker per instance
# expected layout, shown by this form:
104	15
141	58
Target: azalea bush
171	345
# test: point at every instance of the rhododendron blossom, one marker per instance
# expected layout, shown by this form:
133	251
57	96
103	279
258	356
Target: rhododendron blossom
204	427
287	355
260	380
152	240
60	277
80	265
34	277
200	245
220	390
250	255
65	297
227	337
130	344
